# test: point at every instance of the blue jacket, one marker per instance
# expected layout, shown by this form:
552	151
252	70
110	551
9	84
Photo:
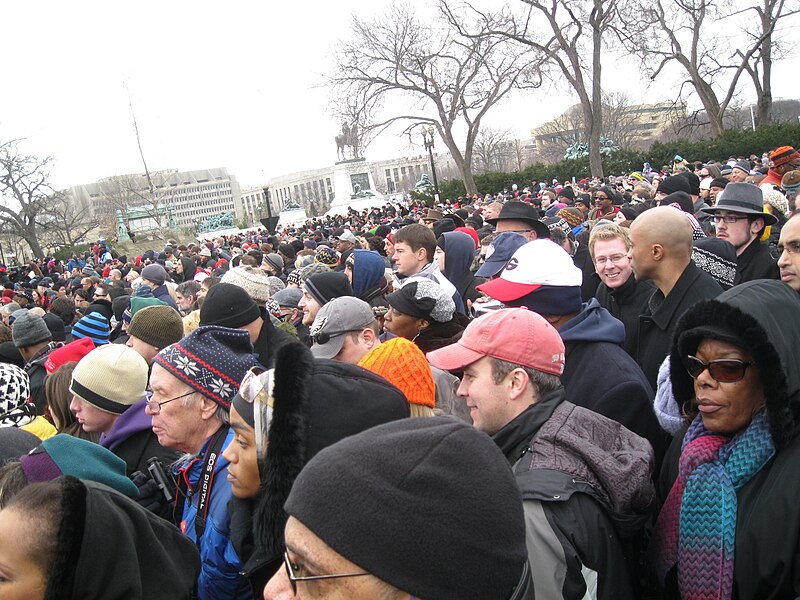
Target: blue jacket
162	293
220	564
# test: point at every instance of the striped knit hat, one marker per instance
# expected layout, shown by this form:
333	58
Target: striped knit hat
94	326
212	360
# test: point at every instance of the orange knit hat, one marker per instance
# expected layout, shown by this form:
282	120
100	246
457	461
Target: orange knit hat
403	364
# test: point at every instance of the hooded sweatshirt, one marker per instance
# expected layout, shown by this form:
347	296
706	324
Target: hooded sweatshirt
150	557
459	249
601	376
132	439
368	270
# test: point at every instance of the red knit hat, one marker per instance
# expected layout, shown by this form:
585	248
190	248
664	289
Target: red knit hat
403	364
74	351
784	154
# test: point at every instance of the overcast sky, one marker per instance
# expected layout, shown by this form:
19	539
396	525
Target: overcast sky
235	84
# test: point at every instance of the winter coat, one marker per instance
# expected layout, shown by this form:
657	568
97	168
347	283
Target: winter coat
220	564
626	303
132	439
587	495
117	550
601	376
318	402
270	339
756	263
583	260
459	251
767	545
162	293
38	375
658	321
439	335
431	271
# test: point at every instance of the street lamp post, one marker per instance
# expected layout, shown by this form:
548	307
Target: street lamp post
427	136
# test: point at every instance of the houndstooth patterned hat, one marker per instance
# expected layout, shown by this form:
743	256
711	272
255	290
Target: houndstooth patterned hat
15	388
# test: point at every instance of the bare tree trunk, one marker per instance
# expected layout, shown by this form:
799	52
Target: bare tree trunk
595	122
765	91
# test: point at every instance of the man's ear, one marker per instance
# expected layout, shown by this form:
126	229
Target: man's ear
657	251
208	408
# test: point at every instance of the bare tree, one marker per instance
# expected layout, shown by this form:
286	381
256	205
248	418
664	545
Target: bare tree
762	31
491	150
679	33
26	194
147	192
446	78
565	32
68	222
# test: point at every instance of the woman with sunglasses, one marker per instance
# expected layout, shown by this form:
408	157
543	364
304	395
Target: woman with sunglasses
729	526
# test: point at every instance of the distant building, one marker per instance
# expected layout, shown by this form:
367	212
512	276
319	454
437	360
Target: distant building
635	126
193	195
315	189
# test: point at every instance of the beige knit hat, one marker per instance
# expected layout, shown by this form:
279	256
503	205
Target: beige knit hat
252	280
111	378
158	326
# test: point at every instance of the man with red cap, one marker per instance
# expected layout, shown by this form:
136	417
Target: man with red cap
784	159
585	479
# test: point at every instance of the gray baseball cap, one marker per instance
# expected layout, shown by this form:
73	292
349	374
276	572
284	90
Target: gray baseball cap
335	319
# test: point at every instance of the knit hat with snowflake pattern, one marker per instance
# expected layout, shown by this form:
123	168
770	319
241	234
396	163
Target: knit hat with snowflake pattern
212	360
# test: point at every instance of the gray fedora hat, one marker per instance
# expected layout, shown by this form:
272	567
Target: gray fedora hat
743	198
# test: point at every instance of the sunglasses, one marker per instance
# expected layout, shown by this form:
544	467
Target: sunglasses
724	370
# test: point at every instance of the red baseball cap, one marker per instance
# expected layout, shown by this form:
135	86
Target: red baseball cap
516	335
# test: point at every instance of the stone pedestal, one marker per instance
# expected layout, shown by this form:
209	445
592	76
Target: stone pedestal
346	176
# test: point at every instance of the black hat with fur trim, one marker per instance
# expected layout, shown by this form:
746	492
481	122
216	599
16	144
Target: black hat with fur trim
759	317
316	403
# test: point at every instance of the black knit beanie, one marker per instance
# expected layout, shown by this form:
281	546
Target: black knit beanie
674	183
324	287
228	305
442	496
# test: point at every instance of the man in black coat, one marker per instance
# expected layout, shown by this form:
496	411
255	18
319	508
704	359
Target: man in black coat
661	251
740	219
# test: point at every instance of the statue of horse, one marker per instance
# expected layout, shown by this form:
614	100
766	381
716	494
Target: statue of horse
348	138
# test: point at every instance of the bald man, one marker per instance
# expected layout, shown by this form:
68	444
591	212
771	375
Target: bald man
661	250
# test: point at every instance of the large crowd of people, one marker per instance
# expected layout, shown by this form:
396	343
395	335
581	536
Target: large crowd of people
573	390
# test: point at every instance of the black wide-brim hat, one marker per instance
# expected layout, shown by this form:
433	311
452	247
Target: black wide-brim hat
744	198
522	211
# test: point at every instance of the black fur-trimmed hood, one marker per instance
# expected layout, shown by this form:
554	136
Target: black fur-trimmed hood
316	404
765	315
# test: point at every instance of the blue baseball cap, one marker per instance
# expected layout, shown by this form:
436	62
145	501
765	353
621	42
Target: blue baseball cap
500	252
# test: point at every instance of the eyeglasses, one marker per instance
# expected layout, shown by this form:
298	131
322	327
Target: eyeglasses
100	295
724	370
601	198
614	260
790	247
727	219
293	579
155	407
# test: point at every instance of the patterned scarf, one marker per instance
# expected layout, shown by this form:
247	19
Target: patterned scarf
697	525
